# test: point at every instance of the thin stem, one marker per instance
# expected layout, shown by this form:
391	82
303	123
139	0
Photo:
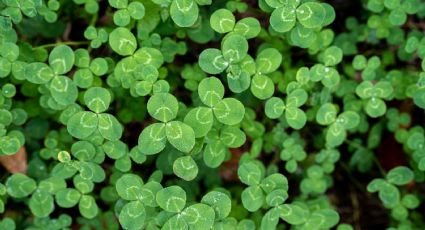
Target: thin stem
93	20
355	145
71	43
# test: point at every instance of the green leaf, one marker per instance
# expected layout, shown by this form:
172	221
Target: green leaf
250	173
61	59
252	198
293	214
220	202
295	117
115	149
383	89
10	145
19	185
283	19
326	114
274	181
152	140
212	61
129	186
122	41
119	4
38	73
229	111
136	10
185	168
397	17
148	193
389	195
249	27
67	198
210	91
335	135
400	175
97	99
297	98
214	154
63	90
41	204
109	127
199	216
262	86
322	219
175	223
171	199
52	185
88	207
149	56
82	124
332	56
222	21
311	14
365	89
276	197
268	60
184	12
7	224
180	136
163	107
270	219
133	215
200	119
232	137
348	119
375	107
234	48
274	108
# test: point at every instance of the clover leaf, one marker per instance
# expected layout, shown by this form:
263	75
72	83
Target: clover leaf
275	107
373	94
336	134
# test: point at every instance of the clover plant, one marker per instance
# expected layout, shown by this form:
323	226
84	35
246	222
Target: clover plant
212	114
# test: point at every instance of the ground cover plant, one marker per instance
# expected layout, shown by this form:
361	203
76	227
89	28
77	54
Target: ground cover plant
202	114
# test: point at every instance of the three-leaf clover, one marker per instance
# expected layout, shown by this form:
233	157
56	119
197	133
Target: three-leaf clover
291	153
267	61
9	53
131	188
127	11
275	107
338	124
254	197
218	142
173	200
388	193
228	111
97	36
373	95
87	69
69	197
164	107
234	49
223	21
62	89
326	72
83	124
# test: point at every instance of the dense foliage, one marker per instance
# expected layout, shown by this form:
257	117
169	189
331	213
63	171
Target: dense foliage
201	114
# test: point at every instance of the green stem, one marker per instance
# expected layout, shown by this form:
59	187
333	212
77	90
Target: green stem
355	145
93	20
70	43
